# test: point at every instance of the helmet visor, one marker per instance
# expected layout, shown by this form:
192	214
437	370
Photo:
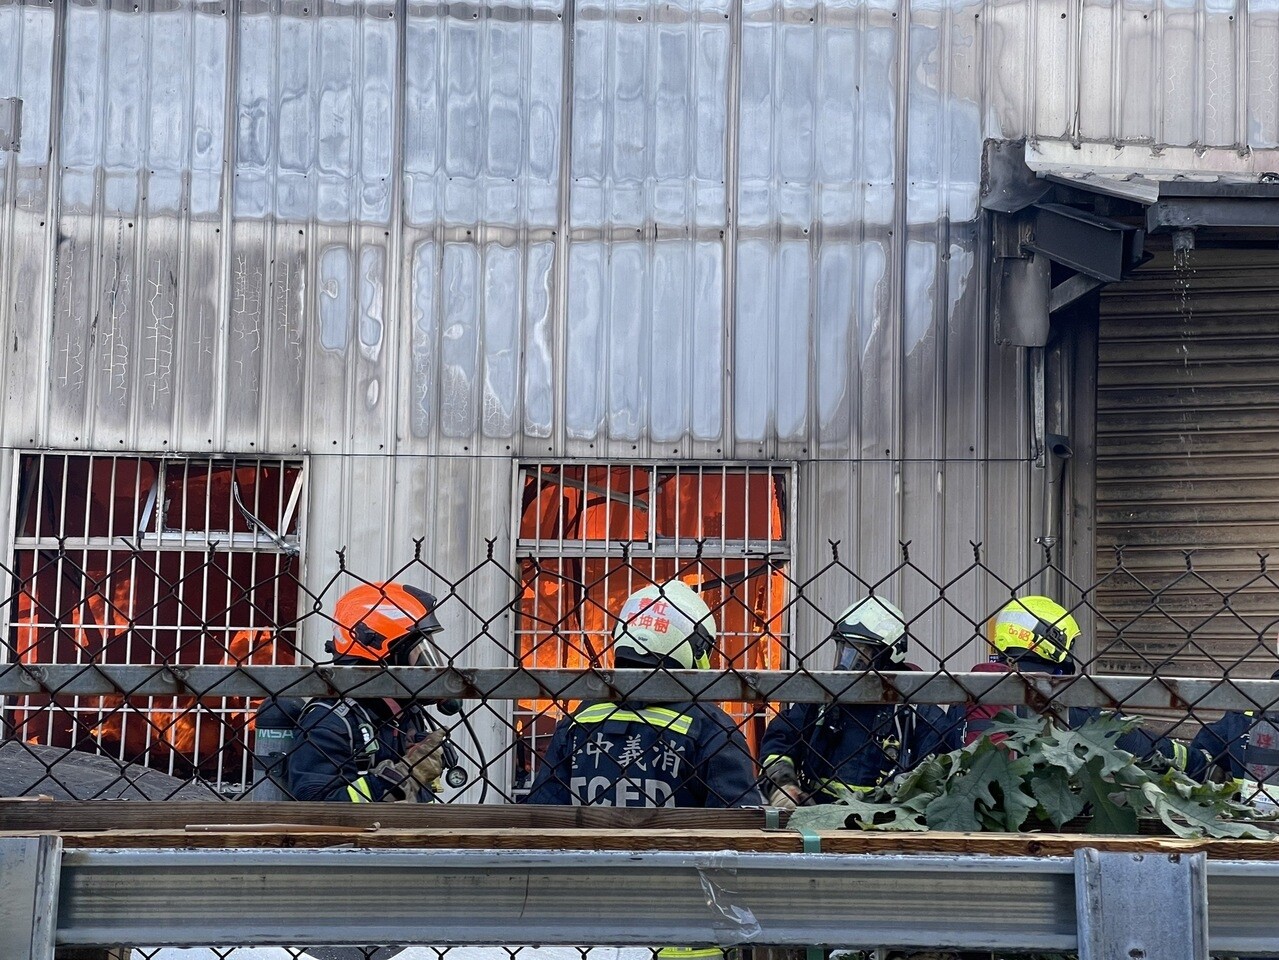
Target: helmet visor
853	655
419	656
415	649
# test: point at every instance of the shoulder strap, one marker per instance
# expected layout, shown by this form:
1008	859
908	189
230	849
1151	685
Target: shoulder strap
363	761
906	717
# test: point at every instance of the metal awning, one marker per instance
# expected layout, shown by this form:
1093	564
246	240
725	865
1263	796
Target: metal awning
1071	218
1180	189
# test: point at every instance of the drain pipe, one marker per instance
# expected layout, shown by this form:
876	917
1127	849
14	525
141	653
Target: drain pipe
1183	242
1057	452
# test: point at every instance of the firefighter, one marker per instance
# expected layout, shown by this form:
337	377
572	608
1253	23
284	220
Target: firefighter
1035	635
819	753
368	749
635	754
1243	746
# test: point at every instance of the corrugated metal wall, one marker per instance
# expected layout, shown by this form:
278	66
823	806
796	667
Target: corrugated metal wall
416	240
1188	459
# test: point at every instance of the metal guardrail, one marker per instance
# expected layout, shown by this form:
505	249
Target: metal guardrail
1097	903
1133	694
599	898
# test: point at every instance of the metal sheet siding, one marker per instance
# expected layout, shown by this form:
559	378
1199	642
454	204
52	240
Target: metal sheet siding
460	234
1188	459
1162	87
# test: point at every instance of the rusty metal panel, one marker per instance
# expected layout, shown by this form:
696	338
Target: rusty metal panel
1188	459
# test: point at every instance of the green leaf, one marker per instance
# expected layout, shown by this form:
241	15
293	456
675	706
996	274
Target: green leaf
1019	732
1099	738
1108	817
854	812
1013	801
1059	801
1191	818
956	808
886	816
928	779
821	816
991	768
918	803
954	811
1073	749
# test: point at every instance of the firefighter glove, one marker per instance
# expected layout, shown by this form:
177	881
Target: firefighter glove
425	759
787	798
421	767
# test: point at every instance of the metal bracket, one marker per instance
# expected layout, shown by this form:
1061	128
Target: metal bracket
1102	248
1141	906
1072	289
1008	185
1174	213
1020	300
29	871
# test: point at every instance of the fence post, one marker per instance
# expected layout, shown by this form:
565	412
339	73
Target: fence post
1141	906
29	869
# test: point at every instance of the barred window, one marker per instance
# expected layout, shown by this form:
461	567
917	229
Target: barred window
138	560
591	534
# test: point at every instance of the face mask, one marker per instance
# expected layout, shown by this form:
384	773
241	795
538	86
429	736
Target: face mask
854	656
416	653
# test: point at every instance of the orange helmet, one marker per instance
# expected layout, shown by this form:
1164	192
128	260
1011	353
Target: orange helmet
383	622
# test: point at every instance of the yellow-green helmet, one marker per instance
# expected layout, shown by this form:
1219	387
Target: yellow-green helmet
870	635
665	625
1035	625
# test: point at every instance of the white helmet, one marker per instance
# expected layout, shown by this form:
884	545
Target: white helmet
665	626
870	635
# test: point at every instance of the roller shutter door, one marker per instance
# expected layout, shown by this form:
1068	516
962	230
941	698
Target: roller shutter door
1188	466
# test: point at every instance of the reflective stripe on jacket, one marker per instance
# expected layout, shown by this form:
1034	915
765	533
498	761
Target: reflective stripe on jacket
636	755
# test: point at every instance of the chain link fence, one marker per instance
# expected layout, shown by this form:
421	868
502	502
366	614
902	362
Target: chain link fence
453	953
145	678
135	671
366	953
386	953
164	641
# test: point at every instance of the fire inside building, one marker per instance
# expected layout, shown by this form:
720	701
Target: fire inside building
593	290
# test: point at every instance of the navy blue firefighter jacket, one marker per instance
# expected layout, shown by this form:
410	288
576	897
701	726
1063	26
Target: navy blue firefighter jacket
341	741
637	755
853	746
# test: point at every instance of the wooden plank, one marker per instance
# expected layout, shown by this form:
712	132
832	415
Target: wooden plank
1039	844
684	839
82	815
746	841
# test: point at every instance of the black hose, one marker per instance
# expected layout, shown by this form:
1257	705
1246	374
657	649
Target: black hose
480	758
448	752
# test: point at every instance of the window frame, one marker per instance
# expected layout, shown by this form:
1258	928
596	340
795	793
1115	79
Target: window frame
650	548
152	539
